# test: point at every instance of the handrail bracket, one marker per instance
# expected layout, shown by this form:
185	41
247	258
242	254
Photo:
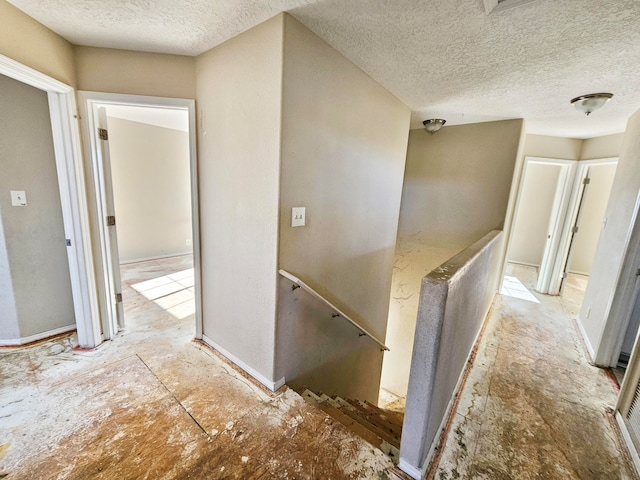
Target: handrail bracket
297	283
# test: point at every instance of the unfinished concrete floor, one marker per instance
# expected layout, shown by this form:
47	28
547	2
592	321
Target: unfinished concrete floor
152	404
532	406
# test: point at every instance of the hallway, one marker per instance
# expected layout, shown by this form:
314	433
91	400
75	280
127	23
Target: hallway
532	407
154	404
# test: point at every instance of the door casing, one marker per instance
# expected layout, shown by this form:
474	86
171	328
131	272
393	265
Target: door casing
89	102
70	169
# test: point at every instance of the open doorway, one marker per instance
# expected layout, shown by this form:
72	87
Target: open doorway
559	217
150	177
143	159
541	210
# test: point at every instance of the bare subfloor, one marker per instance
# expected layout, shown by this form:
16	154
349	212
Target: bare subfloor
532	406
152	404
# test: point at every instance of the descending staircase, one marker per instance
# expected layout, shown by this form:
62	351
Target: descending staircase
381	428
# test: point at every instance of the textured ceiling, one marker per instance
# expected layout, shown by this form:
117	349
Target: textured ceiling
445	59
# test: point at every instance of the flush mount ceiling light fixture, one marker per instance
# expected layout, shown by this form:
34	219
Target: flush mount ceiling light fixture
433	125
591	102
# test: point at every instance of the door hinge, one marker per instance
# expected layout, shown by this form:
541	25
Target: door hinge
574	229
103	134
67	241
565	275
586	181
111	220
118	298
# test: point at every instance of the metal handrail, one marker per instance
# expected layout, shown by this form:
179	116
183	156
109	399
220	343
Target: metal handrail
339	312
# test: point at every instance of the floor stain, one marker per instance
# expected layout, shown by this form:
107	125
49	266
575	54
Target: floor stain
533	406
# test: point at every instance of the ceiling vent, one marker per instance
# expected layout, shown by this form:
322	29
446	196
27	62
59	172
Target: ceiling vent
492	6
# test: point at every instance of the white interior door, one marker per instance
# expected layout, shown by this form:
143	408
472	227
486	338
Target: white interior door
115	320
576	212
556	223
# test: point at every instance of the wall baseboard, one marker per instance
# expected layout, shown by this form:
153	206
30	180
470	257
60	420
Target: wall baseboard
410	470
536	265
159	257
585	339
16	342
586	274
271	385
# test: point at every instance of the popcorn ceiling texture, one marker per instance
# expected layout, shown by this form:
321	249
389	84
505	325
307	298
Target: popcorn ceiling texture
443	59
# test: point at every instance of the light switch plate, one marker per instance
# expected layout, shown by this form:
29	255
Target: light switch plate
298	215
18	198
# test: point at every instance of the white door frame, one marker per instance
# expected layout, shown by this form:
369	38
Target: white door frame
75	212
561	199
88	101
563	254
557	220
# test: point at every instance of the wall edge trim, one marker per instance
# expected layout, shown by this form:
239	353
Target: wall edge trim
270	384
16	342
585	339
410	470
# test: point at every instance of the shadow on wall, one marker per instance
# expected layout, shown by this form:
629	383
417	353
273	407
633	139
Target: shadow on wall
323	353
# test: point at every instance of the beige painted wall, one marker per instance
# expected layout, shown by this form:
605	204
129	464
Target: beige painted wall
33	235
150	168
534	213
347	171
413	261
552	147
239	91
135	73
592	214
612	279
456	189
457	182
602	147
25	40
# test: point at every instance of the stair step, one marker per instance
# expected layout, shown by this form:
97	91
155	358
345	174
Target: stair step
377	417
364	420
394	417
383	433
344	419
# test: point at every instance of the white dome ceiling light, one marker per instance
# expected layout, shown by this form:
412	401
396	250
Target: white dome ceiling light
433	125
591	102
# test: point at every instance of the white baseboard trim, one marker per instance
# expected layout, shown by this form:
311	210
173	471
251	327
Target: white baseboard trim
271	385
159	257
587	343
16	342
410	470
524	263
629	442
584	274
